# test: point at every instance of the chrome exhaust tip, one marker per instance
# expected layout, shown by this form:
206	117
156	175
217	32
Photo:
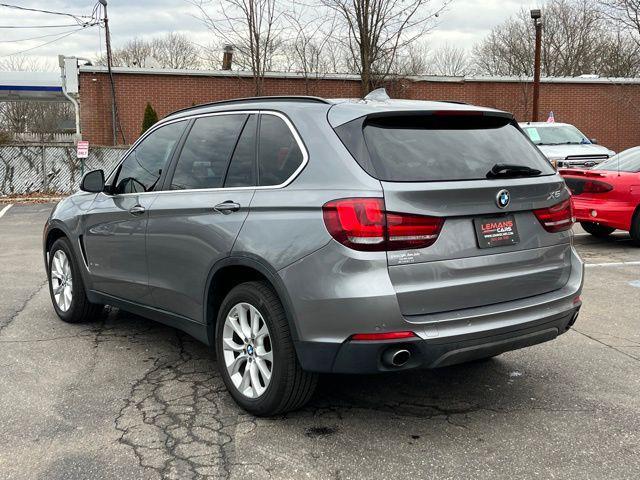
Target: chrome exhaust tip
396	357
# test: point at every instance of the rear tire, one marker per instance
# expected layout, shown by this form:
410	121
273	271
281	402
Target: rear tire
597	230
277	383
66	287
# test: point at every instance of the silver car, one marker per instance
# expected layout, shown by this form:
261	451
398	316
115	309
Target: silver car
565	146
297	235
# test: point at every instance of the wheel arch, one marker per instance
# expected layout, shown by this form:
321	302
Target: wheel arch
232	271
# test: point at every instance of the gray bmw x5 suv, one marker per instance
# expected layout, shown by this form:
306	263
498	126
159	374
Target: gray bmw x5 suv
297	235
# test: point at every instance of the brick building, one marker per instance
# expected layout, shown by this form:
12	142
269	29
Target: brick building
605	109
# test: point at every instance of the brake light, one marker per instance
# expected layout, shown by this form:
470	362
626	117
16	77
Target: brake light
363	224
557	218
382	336
593	186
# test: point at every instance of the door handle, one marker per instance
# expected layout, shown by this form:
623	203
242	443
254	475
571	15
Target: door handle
227	207
137	210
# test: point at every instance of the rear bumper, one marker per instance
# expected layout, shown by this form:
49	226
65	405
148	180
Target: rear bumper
367	357
611	213
456	337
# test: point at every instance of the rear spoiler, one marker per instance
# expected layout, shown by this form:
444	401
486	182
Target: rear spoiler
575	172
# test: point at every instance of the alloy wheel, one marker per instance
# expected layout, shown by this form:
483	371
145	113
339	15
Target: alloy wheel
61	280
248	354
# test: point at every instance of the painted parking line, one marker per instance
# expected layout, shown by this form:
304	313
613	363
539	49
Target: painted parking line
5	210
611	264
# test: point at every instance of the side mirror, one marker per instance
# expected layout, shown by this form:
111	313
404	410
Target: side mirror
93	182
594	141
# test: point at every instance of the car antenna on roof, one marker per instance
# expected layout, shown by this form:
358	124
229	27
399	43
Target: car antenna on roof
378	95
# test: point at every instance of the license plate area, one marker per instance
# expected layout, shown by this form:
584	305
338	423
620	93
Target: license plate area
496	231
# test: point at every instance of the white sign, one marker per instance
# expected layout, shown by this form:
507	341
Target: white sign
83	149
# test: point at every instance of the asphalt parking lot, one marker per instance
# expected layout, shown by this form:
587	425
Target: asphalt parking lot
127	398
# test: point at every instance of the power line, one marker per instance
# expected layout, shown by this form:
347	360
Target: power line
47	43
40	26
40	36
17	7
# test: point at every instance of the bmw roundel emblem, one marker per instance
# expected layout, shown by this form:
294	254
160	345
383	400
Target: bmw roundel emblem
503	198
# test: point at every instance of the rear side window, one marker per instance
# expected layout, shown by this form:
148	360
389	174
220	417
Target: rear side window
439	147
279	155
204	158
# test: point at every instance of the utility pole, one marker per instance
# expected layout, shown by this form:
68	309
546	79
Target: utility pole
113	87
536	15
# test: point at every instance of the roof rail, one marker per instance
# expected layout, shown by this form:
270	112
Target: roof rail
457	102
281	98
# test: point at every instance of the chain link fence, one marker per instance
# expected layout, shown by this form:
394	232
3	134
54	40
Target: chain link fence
50	168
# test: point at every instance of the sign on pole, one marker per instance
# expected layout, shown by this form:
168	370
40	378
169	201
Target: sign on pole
83	149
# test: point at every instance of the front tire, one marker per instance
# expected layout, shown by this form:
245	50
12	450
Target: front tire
597	230
66	288
255	352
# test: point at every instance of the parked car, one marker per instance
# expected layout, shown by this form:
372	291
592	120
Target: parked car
303	235
607	197
565	146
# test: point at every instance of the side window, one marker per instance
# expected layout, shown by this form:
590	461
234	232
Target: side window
204	158
242	168
142	168
278	152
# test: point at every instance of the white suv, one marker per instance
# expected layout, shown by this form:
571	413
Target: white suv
566	146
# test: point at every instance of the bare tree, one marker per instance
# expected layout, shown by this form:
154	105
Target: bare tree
135	53
449	60
412	60
310	48
626	13
577	40
376	30
251	26
175	50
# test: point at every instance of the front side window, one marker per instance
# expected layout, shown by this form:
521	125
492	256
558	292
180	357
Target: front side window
279	155
205	156
141	170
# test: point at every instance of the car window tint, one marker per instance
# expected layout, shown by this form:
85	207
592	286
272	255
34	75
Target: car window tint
142	168
278	153
204	158
446	147
242	168
627	161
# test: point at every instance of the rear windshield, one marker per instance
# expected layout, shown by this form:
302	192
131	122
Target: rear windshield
627	161
444	148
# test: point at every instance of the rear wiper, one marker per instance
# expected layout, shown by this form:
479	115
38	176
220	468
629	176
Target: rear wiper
502	170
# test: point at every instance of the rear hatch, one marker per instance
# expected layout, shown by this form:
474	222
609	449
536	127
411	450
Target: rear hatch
492	246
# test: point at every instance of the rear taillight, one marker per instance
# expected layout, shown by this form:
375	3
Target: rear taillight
363	224
593	186
557	218
578	186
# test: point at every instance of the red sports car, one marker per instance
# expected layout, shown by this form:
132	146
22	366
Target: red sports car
607	197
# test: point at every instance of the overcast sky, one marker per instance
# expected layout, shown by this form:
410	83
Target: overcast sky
464	23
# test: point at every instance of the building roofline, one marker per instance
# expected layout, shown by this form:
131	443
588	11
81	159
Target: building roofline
351	77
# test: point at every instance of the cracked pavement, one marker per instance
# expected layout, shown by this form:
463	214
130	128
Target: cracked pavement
124	397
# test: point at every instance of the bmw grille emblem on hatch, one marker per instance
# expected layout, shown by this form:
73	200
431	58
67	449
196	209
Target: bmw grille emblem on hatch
503	198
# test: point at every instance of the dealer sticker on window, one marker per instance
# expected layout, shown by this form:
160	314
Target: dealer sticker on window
496	231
